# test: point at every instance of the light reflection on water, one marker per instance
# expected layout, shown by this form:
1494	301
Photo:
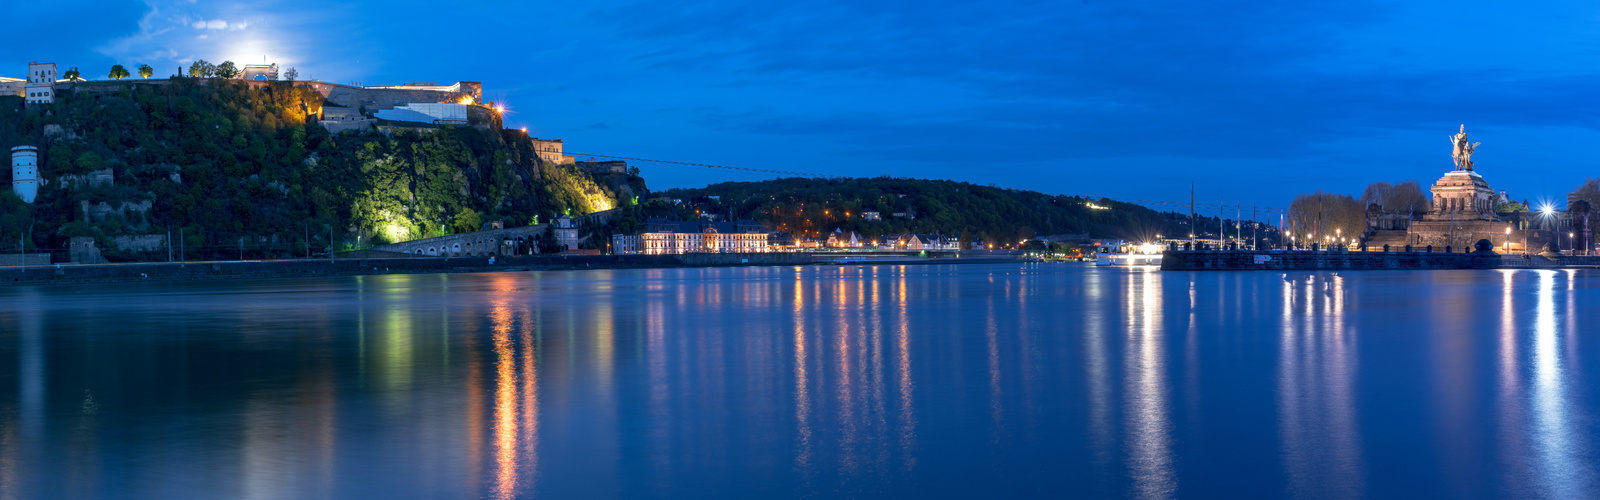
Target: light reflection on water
1560	451
881	381
1150	430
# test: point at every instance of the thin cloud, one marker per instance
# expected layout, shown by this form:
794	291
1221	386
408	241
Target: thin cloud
219	24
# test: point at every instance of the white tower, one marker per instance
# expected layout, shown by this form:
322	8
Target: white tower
25	172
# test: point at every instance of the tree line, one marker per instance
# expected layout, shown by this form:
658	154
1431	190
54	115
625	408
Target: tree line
200	68
813	208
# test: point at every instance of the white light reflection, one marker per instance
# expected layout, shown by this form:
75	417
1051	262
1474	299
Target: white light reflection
1097	373
1316	401
802	383
996	396
908	416
1149	421
1557	446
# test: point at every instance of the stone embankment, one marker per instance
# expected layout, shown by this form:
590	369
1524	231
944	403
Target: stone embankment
1307	260
1304	260
75	273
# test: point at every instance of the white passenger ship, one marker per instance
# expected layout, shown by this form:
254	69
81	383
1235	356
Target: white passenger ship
1122	253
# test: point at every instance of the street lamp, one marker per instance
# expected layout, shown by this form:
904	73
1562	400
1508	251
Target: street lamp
1508	239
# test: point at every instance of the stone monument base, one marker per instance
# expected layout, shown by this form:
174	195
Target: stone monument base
1462	234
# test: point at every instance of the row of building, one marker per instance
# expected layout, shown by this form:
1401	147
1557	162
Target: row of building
664	237
914	242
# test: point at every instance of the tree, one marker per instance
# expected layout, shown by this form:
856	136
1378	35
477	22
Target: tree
468	221
1407	198
1510	207
1588	191
72	74
547	242
291	74
118	72
1319	217
145	71
200	68
227	70
1377	193
1403	198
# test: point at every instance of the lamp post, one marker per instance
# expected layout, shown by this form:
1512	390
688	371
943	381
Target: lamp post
1508	239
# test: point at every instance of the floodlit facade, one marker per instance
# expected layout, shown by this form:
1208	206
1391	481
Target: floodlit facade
664	237
41	86
549	150
260	72
566	233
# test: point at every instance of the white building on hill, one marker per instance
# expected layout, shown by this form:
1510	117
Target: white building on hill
41	86
427	112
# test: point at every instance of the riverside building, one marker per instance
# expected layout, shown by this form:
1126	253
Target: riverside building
663	237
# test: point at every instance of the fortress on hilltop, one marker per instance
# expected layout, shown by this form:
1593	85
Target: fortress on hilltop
351	107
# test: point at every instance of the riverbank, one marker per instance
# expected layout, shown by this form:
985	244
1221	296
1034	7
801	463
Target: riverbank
1307	260
358	265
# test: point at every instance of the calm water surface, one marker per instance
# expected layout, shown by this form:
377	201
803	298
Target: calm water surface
887	381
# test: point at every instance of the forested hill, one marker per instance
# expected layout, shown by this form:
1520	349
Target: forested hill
815	207
233	166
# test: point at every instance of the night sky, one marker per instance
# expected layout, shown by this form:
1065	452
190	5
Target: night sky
1253	101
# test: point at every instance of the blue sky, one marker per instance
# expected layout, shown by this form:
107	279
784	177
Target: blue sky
1253	101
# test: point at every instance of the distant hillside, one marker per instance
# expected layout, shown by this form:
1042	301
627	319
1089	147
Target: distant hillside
815	207
232	166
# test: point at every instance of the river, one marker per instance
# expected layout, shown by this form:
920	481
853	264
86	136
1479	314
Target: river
954	381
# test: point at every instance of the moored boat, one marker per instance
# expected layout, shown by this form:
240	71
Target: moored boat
1122	253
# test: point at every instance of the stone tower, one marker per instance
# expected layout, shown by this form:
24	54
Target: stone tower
25	172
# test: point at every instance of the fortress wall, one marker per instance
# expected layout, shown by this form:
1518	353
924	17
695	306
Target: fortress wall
335	127
140	242
1465	233
483	118
376	99
488	242
30	259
